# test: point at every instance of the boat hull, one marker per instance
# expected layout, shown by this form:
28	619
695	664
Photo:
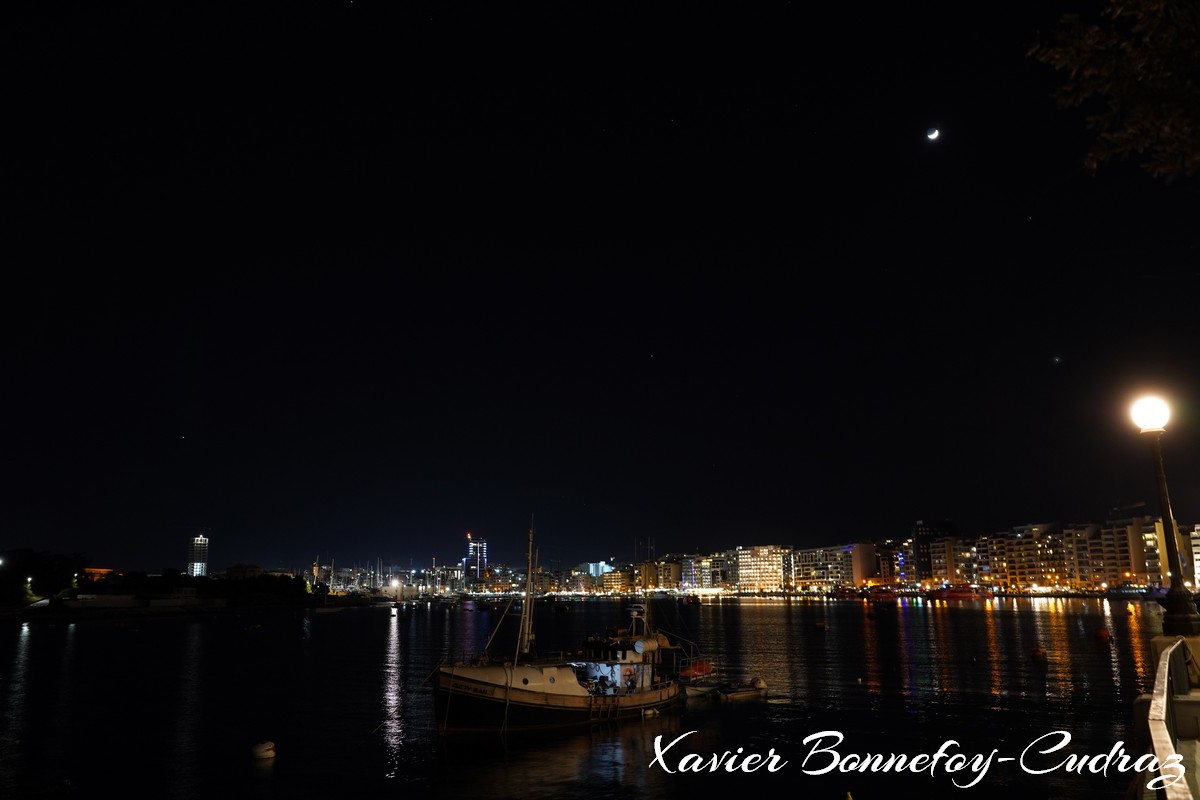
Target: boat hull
732	693
461	703
738	695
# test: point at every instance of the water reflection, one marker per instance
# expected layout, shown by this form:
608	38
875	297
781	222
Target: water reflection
872	656
15	693
351	709
393	699
992	656
608	761
185	719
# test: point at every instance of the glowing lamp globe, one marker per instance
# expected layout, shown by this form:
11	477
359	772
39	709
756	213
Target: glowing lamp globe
1150	413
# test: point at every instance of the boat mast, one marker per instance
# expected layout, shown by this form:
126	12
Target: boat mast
525	640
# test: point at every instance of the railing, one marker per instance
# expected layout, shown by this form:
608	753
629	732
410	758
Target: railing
1170	679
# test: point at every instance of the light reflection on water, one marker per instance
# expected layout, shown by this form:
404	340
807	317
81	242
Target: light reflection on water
393	698
916	648
346	699
14	681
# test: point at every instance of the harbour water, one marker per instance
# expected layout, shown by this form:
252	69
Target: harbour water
170	708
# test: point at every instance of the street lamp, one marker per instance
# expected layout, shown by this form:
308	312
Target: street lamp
1181	617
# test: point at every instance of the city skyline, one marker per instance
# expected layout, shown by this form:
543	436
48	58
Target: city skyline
428	279
1124	554
381	568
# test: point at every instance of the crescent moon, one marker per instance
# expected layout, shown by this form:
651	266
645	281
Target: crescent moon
932	133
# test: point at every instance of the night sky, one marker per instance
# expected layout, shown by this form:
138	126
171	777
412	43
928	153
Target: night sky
348	280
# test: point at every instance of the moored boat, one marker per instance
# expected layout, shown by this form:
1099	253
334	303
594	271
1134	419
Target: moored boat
625	673
696	669
703	688
754	690
698	677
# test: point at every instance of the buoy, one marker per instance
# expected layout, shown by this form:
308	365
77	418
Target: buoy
264	750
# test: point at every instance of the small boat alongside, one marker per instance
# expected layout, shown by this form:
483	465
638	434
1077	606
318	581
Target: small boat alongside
626	673
698	677
706	689
754	690
697	669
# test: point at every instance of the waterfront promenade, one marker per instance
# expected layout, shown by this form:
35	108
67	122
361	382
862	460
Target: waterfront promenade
1167	719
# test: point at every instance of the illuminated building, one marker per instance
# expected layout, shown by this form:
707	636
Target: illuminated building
198	557
475	564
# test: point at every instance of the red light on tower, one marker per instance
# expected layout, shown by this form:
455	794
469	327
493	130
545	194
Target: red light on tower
468	534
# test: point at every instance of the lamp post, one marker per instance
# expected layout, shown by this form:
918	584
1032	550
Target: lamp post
1181	617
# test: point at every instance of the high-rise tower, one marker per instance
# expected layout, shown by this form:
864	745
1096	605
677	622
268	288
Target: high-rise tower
475	564
198	557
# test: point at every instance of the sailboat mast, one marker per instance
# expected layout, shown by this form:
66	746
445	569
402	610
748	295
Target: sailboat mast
525	640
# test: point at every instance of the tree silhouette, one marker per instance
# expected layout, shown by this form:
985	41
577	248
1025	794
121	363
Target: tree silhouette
1135	72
